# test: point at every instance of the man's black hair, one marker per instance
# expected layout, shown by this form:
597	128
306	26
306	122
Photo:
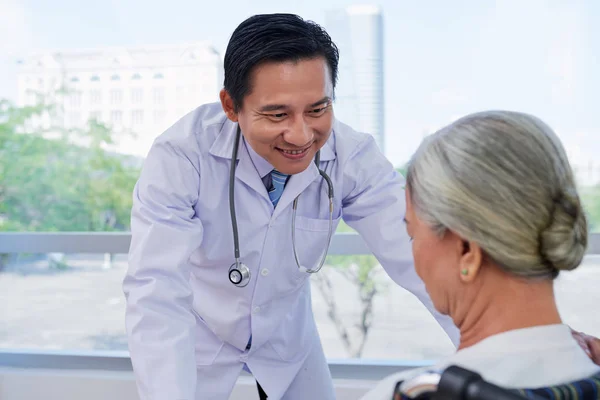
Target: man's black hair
273	38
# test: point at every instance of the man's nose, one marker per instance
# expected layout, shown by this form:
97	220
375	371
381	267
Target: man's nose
299	134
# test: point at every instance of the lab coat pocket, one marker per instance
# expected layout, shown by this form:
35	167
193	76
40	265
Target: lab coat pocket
207	344
311	239
315	224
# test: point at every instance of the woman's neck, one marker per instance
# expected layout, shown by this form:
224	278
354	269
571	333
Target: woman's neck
504	303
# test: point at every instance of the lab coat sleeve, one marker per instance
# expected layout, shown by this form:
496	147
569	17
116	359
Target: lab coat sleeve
165	231
374	205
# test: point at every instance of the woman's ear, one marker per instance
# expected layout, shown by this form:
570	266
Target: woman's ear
470	261
228	106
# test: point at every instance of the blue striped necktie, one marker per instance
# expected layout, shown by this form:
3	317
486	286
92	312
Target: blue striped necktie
278	183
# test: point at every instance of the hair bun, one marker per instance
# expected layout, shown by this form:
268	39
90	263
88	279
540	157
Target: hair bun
563	243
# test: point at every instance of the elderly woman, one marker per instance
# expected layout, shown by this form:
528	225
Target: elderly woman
494	216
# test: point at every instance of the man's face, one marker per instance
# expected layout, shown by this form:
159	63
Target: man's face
288	114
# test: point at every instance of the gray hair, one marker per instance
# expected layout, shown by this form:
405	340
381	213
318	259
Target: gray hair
502	180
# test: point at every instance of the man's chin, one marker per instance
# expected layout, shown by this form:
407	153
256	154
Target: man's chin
290	169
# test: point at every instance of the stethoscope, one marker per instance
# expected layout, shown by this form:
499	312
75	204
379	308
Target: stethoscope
239	273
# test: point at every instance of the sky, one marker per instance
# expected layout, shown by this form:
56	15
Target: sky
442	59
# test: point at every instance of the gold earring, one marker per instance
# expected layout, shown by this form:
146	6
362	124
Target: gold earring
464	271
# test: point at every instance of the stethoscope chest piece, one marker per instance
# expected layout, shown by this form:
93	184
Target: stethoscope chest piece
239	274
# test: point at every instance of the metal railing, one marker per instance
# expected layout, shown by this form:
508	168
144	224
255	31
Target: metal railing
118	243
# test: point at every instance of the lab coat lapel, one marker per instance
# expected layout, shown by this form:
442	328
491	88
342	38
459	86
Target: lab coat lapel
296	185
246	172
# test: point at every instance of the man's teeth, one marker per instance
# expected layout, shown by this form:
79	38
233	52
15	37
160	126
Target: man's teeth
293	151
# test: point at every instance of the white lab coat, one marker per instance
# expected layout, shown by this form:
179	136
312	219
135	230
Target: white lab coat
188	326
519	359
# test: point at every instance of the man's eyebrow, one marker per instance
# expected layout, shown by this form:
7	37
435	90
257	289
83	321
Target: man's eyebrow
273	107
325	99
277	107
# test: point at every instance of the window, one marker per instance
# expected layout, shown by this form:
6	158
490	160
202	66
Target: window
136	77
95	96
116	96
95	78
116	117
137	117
137	95
158	75
115	78
159	95
75	100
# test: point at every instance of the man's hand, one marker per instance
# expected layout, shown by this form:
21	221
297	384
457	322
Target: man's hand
590	344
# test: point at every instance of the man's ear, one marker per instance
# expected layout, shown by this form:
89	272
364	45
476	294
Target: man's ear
227	104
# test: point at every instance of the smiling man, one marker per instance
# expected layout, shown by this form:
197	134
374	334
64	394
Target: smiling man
234	210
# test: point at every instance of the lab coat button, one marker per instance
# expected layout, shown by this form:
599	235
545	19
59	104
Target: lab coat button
264	272
256	309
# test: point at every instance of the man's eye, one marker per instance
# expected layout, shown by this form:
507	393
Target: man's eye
279	115
319	110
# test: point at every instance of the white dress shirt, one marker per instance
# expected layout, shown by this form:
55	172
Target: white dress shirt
522	358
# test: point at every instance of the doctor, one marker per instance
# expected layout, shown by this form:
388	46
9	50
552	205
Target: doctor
233	212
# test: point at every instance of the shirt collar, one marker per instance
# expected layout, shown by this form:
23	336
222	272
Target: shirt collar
262	166
537	338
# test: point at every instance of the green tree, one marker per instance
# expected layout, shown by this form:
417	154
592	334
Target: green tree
50	182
